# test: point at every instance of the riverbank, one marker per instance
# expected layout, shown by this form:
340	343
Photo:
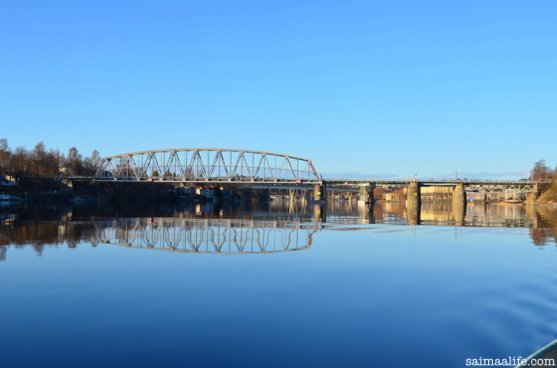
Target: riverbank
548	197
64	192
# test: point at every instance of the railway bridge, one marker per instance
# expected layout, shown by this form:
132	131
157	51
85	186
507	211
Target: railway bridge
266	170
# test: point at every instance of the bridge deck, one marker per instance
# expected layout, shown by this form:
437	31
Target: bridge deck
331	184
425	182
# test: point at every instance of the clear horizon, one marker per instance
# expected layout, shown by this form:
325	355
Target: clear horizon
366	89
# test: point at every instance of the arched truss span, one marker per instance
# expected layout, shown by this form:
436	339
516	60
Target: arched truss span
208	165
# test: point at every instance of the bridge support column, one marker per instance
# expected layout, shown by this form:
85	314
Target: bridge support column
459	204
319	192
366	194
413	203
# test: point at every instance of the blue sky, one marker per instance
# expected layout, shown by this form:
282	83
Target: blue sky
360	87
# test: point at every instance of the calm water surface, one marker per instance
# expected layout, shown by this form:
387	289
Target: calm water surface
274	286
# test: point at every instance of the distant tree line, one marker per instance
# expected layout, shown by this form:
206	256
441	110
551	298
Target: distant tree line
43	163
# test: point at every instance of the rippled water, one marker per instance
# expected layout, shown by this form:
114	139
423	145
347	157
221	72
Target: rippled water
275	285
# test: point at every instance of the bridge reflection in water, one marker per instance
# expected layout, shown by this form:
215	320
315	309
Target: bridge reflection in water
245	229
208	235
181	233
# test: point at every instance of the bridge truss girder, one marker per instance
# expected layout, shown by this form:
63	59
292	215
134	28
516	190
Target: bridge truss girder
195	165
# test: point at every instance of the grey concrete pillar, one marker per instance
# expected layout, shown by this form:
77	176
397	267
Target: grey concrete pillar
363	195
459	204
366	194
413	203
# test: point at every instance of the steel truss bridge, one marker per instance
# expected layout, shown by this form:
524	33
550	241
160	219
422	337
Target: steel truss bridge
208	165
224	236
258	170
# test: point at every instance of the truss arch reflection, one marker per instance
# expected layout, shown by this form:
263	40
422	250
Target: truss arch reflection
224	236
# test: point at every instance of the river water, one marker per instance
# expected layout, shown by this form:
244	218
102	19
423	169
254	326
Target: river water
275	285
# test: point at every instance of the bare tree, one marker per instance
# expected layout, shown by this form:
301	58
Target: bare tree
4	145
4	155
541	171
74	164
97	160
19	162
91	164
38	160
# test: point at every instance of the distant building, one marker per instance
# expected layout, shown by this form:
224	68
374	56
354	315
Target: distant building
395	196
8	181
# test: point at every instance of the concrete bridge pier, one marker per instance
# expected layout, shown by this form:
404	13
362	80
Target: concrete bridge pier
413	203
319	192
366	194
459	204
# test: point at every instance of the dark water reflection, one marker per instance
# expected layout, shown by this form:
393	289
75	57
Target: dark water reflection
335	286
242	228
